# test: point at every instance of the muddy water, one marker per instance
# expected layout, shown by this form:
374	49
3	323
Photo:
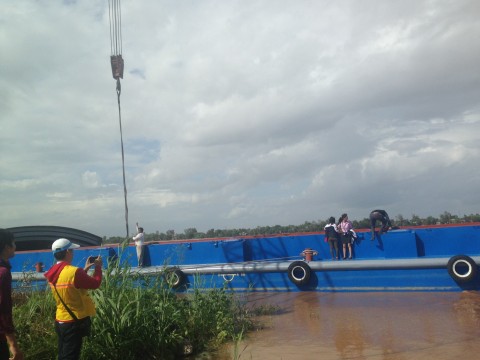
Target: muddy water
388	326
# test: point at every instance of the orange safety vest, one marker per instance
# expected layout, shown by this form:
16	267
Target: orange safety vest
78	300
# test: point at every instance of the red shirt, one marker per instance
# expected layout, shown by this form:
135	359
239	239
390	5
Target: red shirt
82	279
6	321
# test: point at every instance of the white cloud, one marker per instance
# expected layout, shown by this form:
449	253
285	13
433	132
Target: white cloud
238	114
90	179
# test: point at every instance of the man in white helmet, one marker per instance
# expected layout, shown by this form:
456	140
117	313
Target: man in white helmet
70	286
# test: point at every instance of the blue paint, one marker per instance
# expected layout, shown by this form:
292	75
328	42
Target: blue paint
192	256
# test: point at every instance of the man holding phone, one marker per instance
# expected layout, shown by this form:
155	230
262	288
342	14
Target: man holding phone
70	286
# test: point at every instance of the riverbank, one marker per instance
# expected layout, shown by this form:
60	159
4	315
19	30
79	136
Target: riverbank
387	326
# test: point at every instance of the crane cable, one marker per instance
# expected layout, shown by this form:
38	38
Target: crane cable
117	64
115	17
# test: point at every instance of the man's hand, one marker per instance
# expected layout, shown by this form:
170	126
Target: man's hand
16	354
14	349
98	262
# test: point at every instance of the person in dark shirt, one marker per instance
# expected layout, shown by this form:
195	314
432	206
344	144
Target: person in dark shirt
8	342
382	216
331	234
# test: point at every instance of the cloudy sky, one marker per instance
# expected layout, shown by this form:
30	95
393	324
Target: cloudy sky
238	113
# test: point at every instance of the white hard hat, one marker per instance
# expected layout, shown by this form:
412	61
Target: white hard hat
62	245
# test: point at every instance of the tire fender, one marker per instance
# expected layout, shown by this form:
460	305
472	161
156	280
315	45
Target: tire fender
174	277
299	272
462	268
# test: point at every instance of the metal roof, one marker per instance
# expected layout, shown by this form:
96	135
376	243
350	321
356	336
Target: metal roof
42	237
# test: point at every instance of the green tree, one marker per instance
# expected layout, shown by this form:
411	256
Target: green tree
170	234
400	220
416	220
211	233
446	218
190	233
307	226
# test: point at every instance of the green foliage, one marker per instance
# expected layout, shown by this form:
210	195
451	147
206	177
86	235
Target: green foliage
137	317
33	315
213	317
140	317
307	226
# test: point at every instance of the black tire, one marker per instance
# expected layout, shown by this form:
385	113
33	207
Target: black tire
299	272
462	268
174	277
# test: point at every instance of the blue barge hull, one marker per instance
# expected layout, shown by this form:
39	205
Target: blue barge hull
434	258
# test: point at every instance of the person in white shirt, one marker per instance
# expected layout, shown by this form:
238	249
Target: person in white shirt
139	238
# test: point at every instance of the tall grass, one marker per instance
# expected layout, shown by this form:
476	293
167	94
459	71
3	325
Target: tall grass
138	317
33	315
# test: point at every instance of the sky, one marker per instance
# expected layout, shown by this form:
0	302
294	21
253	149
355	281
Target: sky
238	114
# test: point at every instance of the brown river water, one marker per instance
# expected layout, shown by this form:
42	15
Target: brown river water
387	326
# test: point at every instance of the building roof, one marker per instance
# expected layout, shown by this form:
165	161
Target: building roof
42	237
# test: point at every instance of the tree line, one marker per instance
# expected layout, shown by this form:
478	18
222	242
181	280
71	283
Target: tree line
307	226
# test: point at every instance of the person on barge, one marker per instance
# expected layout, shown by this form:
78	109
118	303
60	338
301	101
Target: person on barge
331	234
382	216
345	229
139	241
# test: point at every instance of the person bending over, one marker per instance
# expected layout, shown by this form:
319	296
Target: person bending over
382	216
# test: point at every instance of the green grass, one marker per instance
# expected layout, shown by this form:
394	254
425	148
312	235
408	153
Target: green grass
137	316
33	316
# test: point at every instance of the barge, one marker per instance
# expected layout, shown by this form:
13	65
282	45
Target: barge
423	258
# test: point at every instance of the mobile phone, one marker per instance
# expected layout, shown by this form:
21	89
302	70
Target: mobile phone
91	259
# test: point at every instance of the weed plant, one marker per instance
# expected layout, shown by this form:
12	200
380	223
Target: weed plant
33	314
138	317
